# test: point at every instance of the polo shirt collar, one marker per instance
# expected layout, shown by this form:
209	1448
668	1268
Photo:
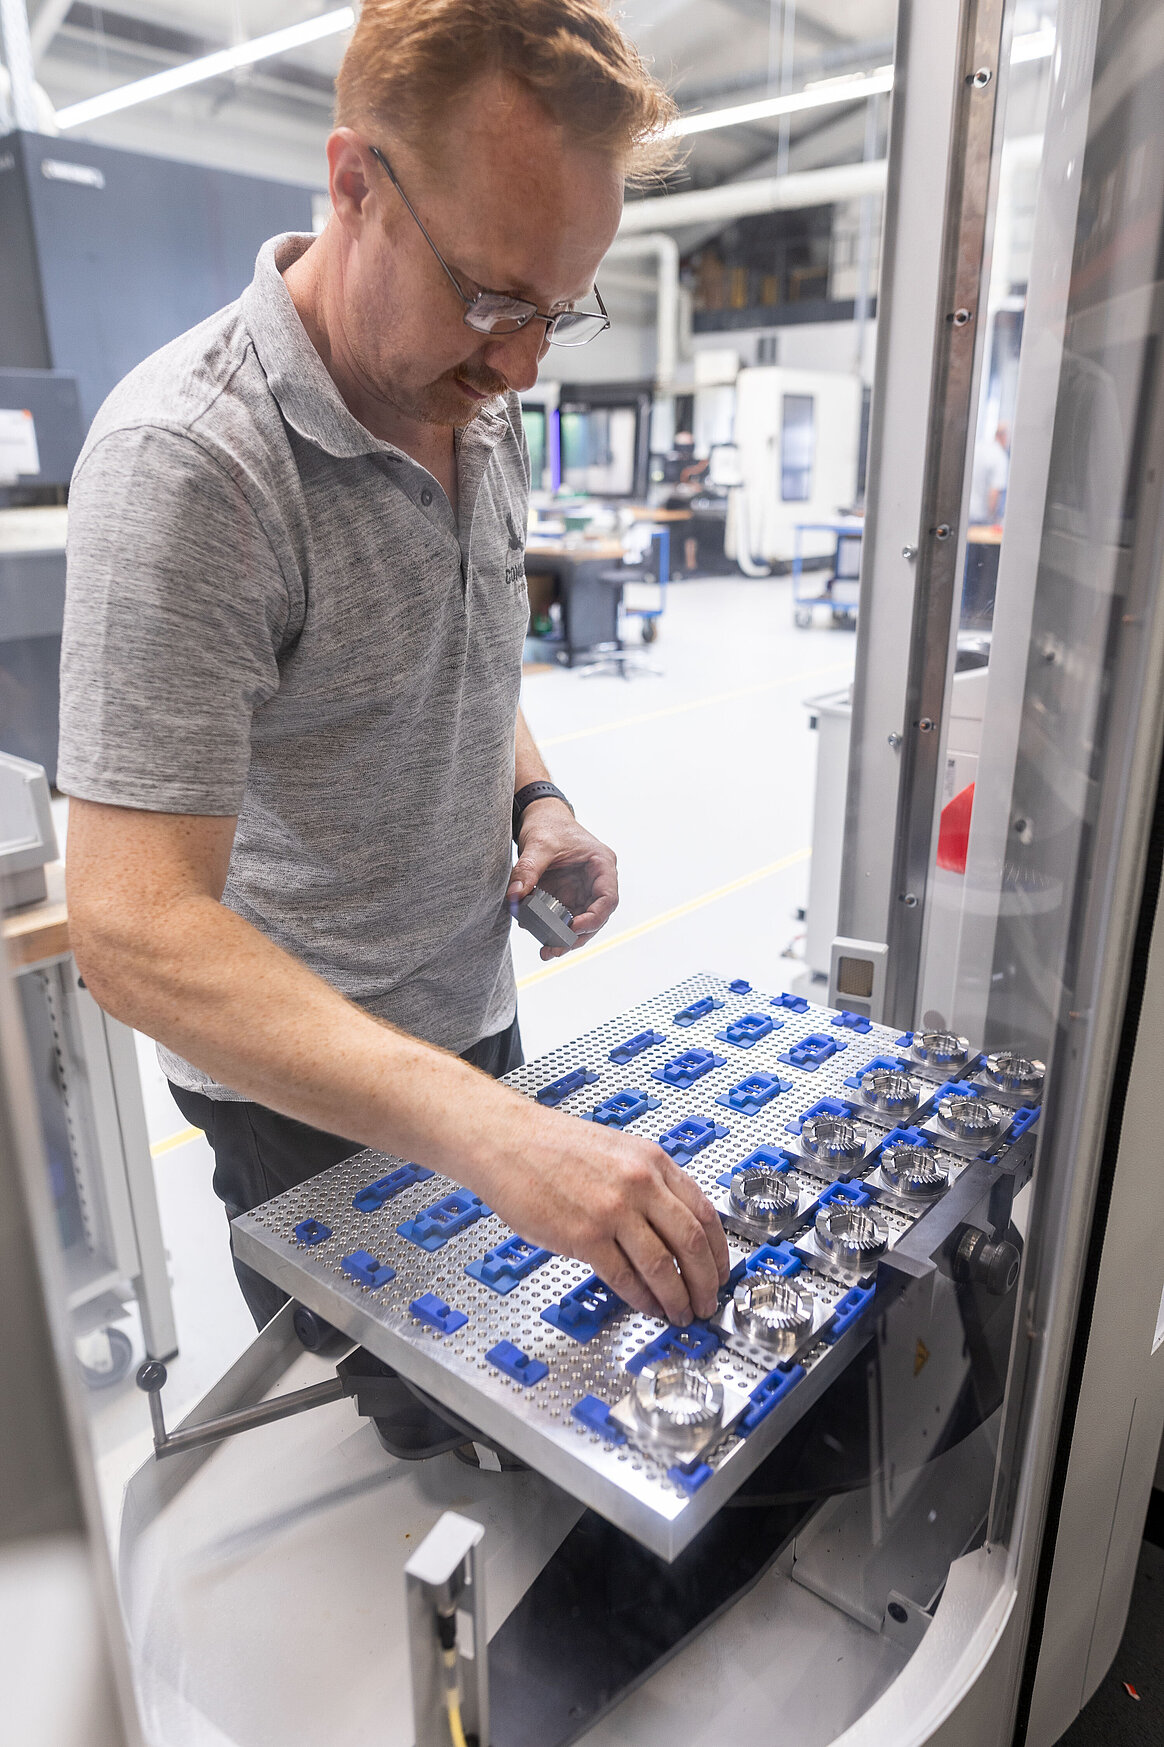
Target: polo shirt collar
297	376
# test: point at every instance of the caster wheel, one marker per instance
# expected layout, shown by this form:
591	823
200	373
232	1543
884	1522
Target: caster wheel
803	618
105	1357
650	630
316	1334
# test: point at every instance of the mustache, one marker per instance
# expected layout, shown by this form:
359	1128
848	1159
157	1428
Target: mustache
485	382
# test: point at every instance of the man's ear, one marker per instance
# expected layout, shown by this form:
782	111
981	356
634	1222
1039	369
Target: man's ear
350	167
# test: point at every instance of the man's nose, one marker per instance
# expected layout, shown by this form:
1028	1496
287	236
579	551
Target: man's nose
517	356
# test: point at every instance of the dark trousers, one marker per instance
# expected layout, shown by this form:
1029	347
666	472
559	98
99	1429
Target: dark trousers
258	1153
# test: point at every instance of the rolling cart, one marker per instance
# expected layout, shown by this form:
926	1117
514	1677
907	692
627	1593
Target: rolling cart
839	590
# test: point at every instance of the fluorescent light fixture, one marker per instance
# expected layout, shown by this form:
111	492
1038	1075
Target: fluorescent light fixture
813	97
243	54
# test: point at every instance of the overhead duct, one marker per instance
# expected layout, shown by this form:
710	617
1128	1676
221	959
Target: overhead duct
665	250
763	194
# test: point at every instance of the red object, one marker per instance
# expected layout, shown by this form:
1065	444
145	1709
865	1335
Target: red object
1130	1690
954	831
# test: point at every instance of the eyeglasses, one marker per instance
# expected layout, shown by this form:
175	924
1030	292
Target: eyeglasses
492	312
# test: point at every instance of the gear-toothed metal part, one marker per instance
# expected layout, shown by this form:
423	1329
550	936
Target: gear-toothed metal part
546	918
940	1049
1012	1072
774	1313
674	1399
890	1092
970	1118
833	1139
762	1197
914	1170
852	1237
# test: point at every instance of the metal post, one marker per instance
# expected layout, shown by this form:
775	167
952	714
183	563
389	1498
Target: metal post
445	1602
18	60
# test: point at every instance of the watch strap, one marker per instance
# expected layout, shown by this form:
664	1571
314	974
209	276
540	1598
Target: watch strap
540	791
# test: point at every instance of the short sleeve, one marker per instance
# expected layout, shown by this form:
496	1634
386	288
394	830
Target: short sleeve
175	612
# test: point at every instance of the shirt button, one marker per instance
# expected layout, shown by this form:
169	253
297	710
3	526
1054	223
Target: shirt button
426	497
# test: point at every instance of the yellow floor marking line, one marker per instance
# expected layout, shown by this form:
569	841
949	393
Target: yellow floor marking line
592	952
172	1142
747	691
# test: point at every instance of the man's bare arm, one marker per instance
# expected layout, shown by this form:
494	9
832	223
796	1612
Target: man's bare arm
159	950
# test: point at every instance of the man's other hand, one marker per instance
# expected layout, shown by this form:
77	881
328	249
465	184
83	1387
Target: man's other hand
570	863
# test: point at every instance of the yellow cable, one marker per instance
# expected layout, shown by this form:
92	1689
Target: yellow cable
452	1699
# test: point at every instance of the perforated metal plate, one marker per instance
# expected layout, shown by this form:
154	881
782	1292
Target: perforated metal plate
631	1487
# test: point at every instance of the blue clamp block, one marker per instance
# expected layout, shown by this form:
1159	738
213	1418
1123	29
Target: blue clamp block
584	1309
740	986
853	1021
690	1137
697	1010
1023	1119
690	1479
311	1231
769	1158
436	1314
373	1197
853	1193
553	1094
794	1003
847	1310
595	1415
517	1365
822	1107
893	1063
778	1259
749	1029
626	1052
683	1070
905	1040
622	1108
958	1089
505	1264
444	1219
751	1095
367	1270
696	1342
767	1394
812	1052
904	1137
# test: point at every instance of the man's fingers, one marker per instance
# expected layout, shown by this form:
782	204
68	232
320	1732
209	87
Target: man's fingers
527	871
653	1258
610	1264
692	1195
690	1245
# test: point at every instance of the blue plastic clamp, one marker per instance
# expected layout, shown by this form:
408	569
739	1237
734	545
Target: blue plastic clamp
848	1309
311	1231
958	1089
367	1270
371	1198
683	1070
505	1264
751	1095
690	1137
850	1192
853	1021
769	1158
892	1062
690	1479
595	1415
764	1397
778	1259
1023	1119
904	1137
553	1094
905	1040
695	1342
740	986
436	1314
582	1311
813	1052
444	1219
748	1029
794	1003
622	1108
822	1107
516	1364
697	1010
626	1052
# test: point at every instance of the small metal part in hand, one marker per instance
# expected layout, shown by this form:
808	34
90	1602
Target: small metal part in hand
545	918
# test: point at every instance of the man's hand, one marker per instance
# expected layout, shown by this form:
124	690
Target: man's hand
566	860
617	1202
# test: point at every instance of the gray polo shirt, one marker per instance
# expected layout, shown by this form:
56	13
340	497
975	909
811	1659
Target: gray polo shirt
271	613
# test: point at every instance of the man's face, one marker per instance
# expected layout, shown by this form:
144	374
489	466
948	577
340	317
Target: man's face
512	207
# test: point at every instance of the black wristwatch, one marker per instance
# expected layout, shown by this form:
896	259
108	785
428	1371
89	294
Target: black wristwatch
533	792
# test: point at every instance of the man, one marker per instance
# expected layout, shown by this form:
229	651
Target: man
292	654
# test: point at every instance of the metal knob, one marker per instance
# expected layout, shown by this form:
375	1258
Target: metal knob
674	1398
832	1138
1015	1073
969	1118
892	1093
773	1313
852	1236
914	1170
994	1265
763	1197
940	1049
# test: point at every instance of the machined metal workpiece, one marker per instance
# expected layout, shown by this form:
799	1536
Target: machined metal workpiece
762	1200
914	1171
546	918
851	1237
1019	1075
889	1092
773	1314
940	1052
971	1119
834	1140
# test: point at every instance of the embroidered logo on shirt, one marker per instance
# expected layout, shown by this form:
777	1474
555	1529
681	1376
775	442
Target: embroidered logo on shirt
515	573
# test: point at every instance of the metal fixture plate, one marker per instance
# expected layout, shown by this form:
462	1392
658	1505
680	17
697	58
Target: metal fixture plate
624	1483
